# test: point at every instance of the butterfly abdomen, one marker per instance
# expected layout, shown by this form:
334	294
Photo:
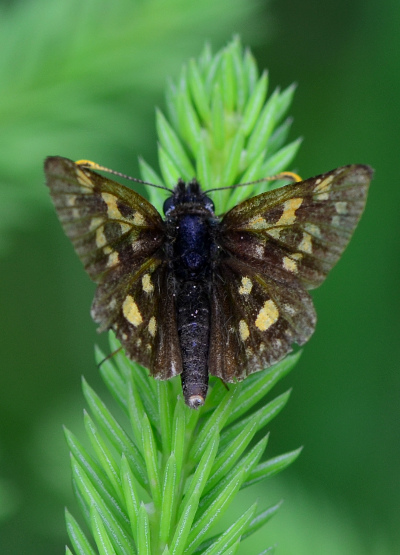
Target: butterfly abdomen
190	261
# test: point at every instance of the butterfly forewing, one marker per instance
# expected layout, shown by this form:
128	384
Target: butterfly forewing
118	236
302	228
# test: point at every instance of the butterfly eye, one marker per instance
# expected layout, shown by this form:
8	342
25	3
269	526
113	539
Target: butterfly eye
209	204
169	204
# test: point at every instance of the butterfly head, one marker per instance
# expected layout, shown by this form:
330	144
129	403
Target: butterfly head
187	194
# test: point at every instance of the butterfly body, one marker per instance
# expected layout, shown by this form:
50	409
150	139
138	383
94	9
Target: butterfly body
195	294
191	253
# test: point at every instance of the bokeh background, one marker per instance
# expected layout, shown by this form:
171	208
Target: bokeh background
81	79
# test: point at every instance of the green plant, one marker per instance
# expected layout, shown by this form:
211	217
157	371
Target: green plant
162	487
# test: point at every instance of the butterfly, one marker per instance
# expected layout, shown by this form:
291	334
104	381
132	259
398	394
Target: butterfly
196	294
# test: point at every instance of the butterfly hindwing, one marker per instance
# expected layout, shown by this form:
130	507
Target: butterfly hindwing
302	228
256	317
141	311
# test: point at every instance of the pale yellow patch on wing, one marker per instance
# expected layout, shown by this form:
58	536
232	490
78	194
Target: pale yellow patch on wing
152	326
257	223
100	237
113	259
83	179
306	243
261	348
297	255
70	200
112	209
148	287
341	207
95	223
138	219
274	233
325	185
290	265
125	228
148	347
336	221
321	196
289	208
243	330
131	311
246	287
313	229
267	316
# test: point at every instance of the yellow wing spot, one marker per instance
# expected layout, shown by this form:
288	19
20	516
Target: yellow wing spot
246	287
152	326
100	237
267	316
70	200
148	287
290	265
131	311
321	196
83	179
243	330
313	229
257	223
336	221
112	209
138	342
261	348
289	208
125	228
306	243
95	223
325	185
274	233
138	219
76	213
249	352
297	255
341	207
148	347
113	259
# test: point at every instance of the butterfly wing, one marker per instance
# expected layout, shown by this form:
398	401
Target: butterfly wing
276	245
118	235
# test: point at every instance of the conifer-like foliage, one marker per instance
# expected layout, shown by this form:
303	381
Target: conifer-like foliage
160	475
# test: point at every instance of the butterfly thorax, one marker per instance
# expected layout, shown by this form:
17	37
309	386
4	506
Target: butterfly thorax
191	254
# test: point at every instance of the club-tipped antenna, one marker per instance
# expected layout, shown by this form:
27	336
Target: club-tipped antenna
93	166
283	175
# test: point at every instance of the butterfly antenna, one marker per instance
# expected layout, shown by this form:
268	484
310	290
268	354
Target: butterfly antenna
283	175
93	166
108	357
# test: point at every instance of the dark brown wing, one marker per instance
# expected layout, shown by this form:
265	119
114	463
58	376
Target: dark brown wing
118	235
303	227
277	245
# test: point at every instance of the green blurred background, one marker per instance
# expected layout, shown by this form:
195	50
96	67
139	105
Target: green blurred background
81	79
